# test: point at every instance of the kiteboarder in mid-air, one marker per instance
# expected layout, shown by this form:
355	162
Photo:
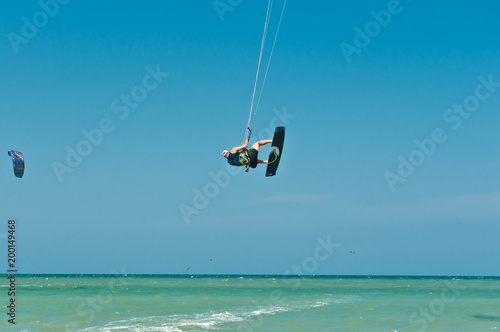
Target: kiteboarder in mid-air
240	156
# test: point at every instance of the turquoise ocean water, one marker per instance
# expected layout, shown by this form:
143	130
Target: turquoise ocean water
251	303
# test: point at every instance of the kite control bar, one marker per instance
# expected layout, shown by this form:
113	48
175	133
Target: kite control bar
249	134
247	168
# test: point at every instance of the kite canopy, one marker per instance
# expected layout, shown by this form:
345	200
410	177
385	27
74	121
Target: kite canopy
18	161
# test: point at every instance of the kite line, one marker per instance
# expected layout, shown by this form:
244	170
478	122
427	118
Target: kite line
248	131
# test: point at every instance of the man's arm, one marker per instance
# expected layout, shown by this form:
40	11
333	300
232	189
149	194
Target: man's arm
239	148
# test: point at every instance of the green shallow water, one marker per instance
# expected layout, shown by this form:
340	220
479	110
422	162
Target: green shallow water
252	303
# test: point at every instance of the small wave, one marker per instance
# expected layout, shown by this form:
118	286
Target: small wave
209	320
320	304
493	318
267	311
173	323
177	323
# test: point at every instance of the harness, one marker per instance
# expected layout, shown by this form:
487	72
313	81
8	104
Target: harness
244	158
240	158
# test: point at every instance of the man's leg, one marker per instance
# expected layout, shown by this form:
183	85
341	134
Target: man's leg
255	148
258	144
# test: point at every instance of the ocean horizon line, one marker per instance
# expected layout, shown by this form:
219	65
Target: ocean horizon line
228	275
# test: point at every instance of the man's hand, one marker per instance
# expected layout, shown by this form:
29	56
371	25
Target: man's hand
239	148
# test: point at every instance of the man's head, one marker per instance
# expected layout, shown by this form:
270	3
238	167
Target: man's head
225	153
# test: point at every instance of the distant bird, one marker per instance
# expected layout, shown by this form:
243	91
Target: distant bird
187	269
352	252
210	259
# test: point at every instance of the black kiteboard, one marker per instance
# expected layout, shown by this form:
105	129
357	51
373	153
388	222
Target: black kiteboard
276	151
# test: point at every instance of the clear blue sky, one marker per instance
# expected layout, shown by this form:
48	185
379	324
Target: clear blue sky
351	119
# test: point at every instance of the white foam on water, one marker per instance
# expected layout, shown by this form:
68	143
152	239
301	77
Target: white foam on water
320	304
211	320
172	323
267	311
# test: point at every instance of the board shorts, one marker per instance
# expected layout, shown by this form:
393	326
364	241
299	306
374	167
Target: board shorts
252	153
